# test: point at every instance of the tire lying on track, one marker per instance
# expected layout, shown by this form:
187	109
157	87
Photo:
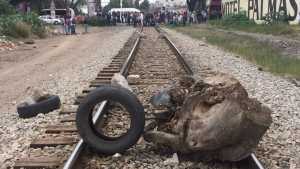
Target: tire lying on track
43	106
103	144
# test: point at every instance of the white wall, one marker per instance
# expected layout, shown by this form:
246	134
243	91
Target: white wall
259	8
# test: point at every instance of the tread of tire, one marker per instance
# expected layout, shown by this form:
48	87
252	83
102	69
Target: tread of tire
85	125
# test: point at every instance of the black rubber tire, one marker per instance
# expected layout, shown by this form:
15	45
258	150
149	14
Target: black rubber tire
88	133
44	106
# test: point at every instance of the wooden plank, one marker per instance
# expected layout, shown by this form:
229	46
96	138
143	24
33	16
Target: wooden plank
114	66
61	129
106	81
98	84
109	71
111	68
88	89
103	78
116	63
38	163
51	141
105	74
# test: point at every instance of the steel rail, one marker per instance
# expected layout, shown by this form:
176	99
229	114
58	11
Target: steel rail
81	145
256	162
251	162
179	55
126	66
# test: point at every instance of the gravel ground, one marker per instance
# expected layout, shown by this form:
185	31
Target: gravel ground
280	147
56	75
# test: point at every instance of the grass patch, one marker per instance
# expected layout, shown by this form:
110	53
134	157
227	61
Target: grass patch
260	53
242	23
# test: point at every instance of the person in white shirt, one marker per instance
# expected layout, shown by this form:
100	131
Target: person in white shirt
142	21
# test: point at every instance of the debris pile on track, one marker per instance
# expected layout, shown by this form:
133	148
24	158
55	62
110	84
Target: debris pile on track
214	120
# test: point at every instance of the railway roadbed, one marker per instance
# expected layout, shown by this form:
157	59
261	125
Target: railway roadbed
157	67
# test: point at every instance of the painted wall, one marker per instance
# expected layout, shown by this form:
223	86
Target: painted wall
257	9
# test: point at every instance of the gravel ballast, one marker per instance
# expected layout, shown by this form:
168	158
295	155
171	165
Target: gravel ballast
65	79
280	147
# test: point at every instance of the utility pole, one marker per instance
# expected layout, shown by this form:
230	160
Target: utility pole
91	7
98	6
52	9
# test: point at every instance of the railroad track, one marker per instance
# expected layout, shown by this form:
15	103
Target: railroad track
157	63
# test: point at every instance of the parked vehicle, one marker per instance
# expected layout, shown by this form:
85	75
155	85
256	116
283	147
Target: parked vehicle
49	20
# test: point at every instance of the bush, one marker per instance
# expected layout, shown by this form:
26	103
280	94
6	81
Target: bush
15	28
274	26
20	29
6	8
36	24
276	18
18	25
97	21
239	19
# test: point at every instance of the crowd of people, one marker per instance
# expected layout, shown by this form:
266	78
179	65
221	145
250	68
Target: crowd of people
135	19
129	18
163	17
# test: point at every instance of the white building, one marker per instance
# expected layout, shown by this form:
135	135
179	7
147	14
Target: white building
91	7
169	3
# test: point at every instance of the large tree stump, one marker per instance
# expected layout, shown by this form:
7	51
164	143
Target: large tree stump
217	120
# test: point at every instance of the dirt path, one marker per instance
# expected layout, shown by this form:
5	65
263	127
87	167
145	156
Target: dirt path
29	65
63	66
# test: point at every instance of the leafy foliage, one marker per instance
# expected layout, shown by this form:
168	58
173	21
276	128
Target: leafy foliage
137	3
145	5
6	8
276	18
116	4
240	19
21	25
274	26
97	21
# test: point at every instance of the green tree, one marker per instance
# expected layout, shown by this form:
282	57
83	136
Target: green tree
116	4
145	5
38	5
6	8
137	3
76	4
